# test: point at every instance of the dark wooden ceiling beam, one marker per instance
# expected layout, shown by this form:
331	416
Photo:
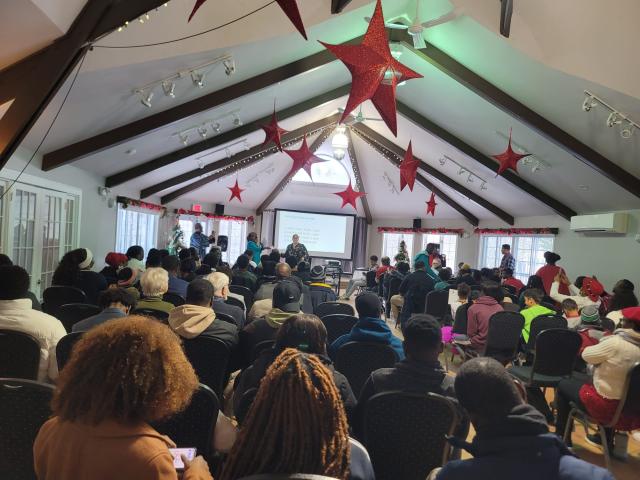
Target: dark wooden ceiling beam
522	113
35	80
361	130
359	180
338	5
512	177
240	160
223	138
317	143
399	152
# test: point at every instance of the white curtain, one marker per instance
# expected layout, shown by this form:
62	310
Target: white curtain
266	227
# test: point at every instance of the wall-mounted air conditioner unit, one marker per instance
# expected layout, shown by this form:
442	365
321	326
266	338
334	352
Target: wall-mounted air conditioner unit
604	222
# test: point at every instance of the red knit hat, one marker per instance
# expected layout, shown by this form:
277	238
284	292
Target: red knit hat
114	259
632	313
593	288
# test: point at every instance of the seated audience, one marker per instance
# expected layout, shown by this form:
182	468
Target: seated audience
370	327
535	282
319	290
397	275
549	272
571	312
414	289
74	270
590	328
128	280
135	255
242	276
285	304
292	261
297	406
197	318
122	376
443	279
155	283
252	265
188	267
115	262
5	261
267	272
384	268
512	439
612	359
115	303
269	278
461	297
177	286
185	253
220	283
356	283
623	297
154	259
17	314
588	294
303	273
275	255
224	268
479	314
203	270
212	258
532	299
465	276
434	270
193	252
509	279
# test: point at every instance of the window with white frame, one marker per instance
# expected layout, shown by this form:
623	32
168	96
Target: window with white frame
136	227
448	246
528	251
391	244
236	231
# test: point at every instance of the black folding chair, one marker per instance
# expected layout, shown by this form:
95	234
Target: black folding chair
405	434
337	325
174	299
540	323
19	355
65	346
194	426
245	405
629	405
509	289
246	293
225	317
370	278
393	289
25	407
149	312
333	308
357	360
503	337
71	313
56	296
236	302
437	304
259	348
209	357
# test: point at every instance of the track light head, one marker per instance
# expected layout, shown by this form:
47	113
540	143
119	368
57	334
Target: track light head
216	127
613	120
145	98
588	104
198	79
627	131
442	161
200	164
537	167
184	139
229	66
483	186
237	121
461	171
470	178
169	89
227	152
246	146
202	131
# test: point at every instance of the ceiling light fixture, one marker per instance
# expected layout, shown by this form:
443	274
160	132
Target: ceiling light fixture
615	117
214	123
169	88
202	131
237	121
216	127
340	142
198	79
470	178
462	170
483	186
442	161
145	98
184	139
229	66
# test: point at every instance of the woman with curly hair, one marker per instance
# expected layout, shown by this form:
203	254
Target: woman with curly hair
297	424
122	376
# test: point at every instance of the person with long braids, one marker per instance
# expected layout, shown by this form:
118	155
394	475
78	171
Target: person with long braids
297	424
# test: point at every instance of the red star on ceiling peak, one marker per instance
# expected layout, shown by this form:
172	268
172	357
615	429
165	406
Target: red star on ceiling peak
350	196
431	205
509	158
408	169
303	158
273	132
236	191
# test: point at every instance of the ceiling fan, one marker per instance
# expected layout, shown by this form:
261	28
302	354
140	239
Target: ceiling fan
417	28
359	118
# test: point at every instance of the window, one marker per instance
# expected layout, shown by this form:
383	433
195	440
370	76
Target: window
237	234
136	227
448	247
331	172
187	229
527	250
391	243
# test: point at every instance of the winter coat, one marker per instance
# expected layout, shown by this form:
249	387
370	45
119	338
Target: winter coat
368	329
478	317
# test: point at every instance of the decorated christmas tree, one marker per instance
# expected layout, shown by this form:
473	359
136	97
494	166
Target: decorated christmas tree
403	254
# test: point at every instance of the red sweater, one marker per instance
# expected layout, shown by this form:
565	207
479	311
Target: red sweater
547	274
478	317
515	283
382	270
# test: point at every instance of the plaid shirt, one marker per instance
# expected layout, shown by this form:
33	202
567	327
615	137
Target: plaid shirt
508	261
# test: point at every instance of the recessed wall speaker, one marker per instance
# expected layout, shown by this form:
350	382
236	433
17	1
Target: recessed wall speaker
219	209
417	223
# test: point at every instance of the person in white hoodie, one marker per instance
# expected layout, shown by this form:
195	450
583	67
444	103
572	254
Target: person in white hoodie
17	314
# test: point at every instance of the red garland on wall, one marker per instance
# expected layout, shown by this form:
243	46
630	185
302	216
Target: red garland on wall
130	202
457	231
516	231
212	216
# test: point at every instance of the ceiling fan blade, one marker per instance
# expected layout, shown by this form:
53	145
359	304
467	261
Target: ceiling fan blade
418	41
373	119
447	17
396	26
506	11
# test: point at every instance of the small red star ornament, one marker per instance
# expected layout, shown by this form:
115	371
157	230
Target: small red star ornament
236	191
431	205
350	196
273	132
509	158
375	73
303	158
408	170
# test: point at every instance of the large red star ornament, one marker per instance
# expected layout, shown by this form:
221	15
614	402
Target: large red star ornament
273	133
375	73
431	205
350	196
509	158
303	158
408	169
236	191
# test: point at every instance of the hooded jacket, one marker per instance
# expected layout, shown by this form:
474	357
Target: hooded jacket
368	329
190	321
519	446
478	317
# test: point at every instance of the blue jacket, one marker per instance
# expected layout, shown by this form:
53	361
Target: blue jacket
178	286
373	330
104	316
520	447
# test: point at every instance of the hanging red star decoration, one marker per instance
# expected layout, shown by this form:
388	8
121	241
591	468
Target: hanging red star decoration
431	205
509	158
273	132
236	191
289	7
303	158
408	169
350	196
375	73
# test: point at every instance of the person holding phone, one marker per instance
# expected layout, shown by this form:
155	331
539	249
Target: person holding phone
122	376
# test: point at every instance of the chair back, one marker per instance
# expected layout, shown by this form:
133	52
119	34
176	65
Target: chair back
437	304
245	404
460	322
357	360
225	317
392	289
405	433
261	347
509	289
235	302
25	406
173	298
209	357
194	426
19	355
503	337
71	313
246	293
65	346
630	400
556	352
370	278
58	295
337	325
333	308
543	322
150	312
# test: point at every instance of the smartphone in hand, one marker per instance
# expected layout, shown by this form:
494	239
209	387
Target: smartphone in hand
189	453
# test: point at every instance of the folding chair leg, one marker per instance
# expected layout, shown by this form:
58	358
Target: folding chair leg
569	427
605	447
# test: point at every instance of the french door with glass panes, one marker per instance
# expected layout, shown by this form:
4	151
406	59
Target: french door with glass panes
43	226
